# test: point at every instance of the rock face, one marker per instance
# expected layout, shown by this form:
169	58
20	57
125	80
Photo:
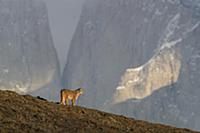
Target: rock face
138	83
152	45
28	60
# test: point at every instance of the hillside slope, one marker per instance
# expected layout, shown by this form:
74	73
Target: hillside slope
29	114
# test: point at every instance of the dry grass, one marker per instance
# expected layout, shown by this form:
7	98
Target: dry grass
29	114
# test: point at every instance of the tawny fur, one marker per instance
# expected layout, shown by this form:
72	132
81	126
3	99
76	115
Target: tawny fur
66	94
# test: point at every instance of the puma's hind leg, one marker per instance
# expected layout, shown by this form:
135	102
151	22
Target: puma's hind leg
62	98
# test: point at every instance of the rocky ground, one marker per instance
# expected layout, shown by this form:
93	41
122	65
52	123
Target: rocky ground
24	113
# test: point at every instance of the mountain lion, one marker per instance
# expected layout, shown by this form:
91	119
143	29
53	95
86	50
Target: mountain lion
72	95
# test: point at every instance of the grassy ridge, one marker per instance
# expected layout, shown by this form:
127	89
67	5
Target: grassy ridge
29	114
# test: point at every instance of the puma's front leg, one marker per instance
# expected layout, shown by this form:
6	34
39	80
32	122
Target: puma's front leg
73	102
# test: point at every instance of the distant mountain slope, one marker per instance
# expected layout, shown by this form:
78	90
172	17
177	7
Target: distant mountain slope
29	114
28	59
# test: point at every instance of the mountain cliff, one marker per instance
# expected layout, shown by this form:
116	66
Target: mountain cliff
28	60
139	58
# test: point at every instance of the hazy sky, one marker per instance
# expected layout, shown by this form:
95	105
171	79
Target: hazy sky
63	18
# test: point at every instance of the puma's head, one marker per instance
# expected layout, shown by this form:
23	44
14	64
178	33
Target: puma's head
80	90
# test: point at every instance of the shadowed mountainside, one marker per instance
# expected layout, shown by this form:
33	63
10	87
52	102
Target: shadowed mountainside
128	49
28	60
